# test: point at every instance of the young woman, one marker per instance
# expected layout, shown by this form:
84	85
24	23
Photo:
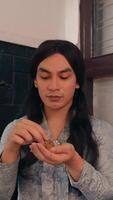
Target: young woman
57	151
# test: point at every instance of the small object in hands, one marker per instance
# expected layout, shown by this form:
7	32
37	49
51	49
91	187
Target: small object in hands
51	143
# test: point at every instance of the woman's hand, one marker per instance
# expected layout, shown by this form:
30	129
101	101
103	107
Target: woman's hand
59	154
24	132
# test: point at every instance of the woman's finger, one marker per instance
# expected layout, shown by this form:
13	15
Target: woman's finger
50	156
39	154
36	151
35	126
23	133
34	129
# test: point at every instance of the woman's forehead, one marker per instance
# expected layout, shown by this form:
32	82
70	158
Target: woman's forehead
55	62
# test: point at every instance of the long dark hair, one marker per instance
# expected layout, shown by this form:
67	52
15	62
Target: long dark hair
81	133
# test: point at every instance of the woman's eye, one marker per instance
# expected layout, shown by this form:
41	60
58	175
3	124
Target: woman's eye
45	77
64	77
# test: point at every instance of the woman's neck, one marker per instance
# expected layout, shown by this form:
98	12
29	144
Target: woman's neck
56	121
57	115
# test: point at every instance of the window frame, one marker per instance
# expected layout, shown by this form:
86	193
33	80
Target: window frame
96	67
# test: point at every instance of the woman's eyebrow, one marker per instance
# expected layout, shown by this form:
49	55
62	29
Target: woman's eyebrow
67	69
41	69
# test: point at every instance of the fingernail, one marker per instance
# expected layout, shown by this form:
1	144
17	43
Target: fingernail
30	148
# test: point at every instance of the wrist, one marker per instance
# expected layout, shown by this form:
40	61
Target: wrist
1	157
12	148
9	156
75	166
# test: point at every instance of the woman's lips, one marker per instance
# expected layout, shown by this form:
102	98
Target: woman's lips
55	98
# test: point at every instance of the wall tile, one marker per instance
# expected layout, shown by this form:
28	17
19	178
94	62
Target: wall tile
6	95
21	64
9	48
14	80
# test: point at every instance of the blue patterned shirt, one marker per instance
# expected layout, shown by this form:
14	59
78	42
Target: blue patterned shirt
43	181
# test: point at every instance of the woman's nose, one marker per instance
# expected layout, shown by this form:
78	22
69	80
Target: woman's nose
54	84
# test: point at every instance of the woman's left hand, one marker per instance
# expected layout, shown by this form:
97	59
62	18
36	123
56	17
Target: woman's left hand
60	154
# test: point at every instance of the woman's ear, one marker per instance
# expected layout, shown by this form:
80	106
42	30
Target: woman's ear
77	86
35	83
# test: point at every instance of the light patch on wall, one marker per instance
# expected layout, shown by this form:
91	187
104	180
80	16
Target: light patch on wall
103	99
72	21
30	22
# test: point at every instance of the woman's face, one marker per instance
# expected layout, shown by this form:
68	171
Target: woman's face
56	82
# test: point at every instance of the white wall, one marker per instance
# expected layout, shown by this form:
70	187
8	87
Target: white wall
29	22
103	99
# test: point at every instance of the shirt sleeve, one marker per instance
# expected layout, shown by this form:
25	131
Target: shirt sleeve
5	134
8	172
97	183
92	184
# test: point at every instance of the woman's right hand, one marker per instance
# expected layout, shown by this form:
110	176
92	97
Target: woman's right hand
24	132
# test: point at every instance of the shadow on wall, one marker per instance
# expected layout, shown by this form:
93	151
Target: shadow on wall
14	80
